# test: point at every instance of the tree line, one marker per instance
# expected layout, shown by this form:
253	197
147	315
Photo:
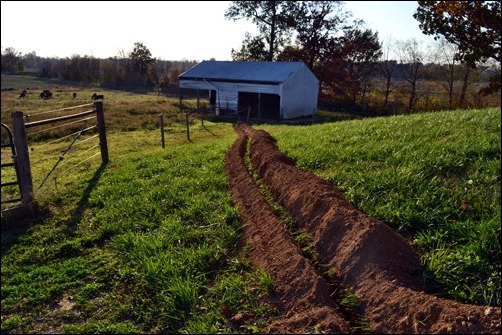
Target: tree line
355	69
137	68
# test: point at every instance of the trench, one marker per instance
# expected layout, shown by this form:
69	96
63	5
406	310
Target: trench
350	251
302	308
345	301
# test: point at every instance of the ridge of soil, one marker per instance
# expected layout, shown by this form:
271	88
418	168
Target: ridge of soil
359	252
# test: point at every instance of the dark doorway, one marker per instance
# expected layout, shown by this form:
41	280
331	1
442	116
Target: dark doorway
212	99
263	105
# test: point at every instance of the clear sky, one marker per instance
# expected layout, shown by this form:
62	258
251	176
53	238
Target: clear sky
171	30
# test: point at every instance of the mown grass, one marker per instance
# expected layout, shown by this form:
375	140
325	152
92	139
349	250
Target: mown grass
149	242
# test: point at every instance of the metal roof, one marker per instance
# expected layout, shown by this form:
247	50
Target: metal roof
273	72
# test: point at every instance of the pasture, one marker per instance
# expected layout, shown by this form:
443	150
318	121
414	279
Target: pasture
151	242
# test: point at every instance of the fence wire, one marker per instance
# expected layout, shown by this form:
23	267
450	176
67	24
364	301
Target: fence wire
60	126
62	155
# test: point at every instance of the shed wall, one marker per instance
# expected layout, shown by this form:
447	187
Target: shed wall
299	94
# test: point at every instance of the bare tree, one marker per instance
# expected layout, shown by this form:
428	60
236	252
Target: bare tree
447	59
415	60
12	60
160	74
388	66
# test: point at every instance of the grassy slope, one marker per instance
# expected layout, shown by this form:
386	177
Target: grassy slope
433	177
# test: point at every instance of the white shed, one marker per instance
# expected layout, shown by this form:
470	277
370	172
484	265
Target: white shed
273	90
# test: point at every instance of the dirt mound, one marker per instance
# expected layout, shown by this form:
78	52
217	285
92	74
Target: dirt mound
359	252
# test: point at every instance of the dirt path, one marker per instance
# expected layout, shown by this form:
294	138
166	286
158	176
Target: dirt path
359	252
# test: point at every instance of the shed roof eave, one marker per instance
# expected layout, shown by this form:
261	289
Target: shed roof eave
223	80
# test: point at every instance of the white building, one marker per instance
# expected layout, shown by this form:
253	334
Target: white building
273	90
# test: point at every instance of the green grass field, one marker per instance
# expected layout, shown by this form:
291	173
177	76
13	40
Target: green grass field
149	242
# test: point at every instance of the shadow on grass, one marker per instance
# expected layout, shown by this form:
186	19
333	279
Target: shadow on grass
82	204
13	229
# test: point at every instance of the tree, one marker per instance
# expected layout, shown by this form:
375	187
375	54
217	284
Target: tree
316	22
253	49
474	26
362	50
269	16
160	74
31	60
451	70
142	61
11	60
415	60
346	62
387	66
141	57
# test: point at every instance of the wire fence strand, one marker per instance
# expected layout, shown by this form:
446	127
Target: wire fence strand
60	126
58	110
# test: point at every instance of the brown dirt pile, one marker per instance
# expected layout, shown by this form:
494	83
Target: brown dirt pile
364	254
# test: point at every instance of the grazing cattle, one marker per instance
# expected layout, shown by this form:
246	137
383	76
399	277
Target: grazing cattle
46	94
74	95
23	94
97	96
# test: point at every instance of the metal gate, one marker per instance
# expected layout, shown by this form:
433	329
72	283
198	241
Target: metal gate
10	164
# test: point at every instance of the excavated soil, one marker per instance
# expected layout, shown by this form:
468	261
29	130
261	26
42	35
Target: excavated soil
356	254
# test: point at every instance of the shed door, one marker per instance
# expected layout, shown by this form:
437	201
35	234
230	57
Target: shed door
212	98
263	105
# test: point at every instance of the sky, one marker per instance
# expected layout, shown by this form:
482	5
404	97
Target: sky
171	30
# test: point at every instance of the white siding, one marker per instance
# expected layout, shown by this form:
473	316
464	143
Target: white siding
299	94
227	93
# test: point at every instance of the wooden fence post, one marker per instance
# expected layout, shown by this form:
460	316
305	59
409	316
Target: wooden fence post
162	131
188	126
22	157
100	117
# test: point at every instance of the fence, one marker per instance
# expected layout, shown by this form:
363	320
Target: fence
21	152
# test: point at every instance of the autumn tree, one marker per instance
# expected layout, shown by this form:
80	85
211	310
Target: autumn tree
362	51
270	18
473	26
315	23
347	62
450	70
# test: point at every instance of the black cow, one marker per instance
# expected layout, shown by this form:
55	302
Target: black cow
23	94
46	94
74	95
97	96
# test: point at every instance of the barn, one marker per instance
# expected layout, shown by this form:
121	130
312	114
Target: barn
268	90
